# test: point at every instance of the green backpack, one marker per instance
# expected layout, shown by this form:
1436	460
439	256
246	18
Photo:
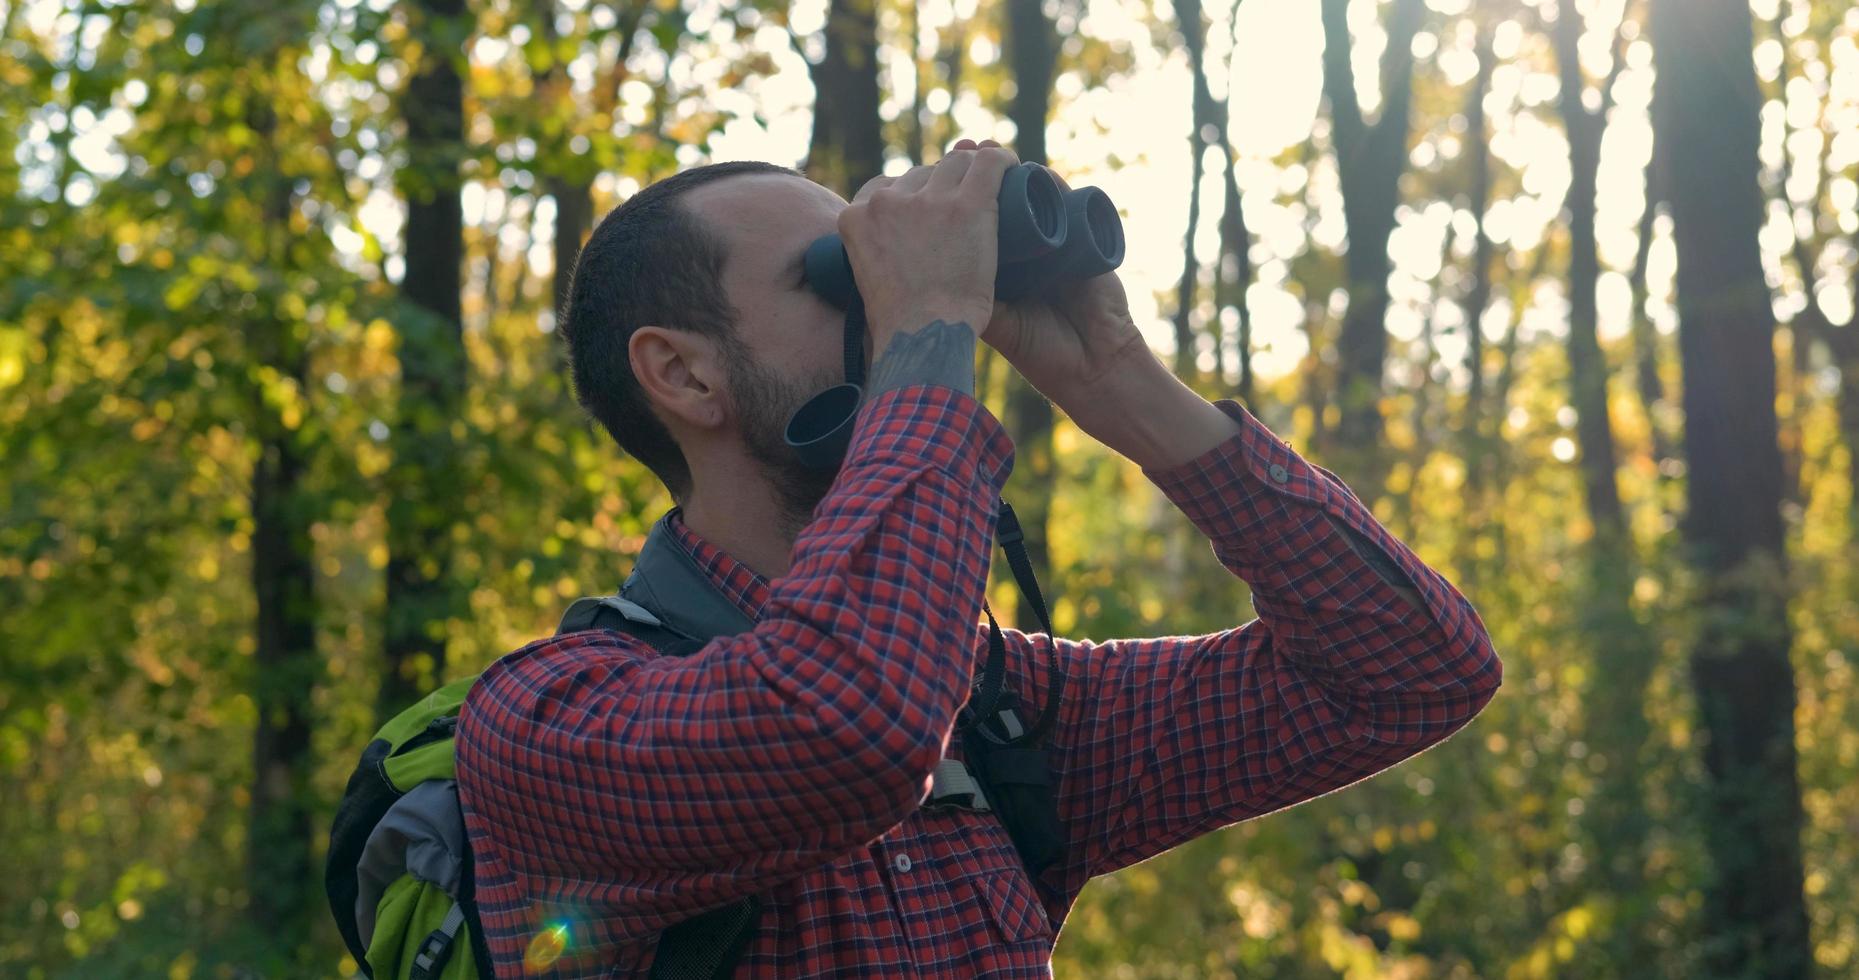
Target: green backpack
399	873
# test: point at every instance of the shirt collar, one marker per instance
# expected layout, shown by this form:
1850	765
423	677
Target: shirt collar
738	583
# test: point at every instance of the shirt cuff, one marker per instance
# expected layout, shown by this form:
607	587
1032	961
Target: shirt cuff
1254	496
1240	474
937	424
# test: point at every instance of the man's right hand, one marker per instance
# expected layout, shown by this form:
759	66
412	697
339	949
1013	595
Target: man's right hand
924	248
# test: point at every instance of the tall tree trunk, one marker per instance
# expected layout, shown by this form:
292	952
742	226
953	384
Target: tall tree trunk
573	189
1316	382
1370	159
1624	650
848	139
285	667
574	217
1478	296
1587	365
1194	33
1233	273
422	481
1646	382
1475	448
1497	455
914	17
1706	113
1812	325
1032	52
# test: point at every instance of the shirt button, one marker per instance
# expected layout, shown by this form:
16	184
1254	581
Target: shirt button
901	862
1280	474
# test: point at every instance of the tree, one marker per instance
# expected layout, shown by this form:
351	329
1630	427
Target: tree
1370	158
1706	118
1475	442
279	873
1813	324
1588	372
1188	20
1233	273
848	134
422	484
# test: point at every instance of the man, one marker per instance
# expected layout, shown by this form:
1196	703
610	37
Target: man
623	792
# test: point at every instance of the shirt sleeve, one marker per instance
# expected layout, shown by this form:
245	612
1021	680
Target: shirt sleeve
688	782
1340	676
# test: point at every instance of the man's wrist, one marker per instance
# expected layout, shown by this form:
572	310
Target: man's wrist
941	352
1147	415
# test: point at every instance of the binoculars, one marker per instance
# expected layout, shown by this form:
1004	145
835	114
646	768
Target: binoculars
1046	235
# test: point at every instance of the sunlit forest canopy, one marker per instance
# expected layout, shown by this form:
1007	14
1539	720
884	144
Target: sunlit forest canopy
1563	289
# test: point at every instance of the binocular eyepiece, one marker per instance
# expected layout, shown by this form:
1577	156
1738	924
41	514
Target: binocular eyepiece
1046	236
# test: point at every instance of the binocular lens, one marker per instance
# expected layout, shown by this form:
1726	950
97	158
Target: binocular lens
1106	229
1032	214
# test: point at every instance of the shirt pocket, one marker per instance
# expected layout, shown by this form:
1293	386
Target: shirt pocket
1011	904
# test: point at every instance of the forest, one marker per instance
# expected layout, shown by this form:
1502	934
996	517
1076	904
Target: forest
1563	289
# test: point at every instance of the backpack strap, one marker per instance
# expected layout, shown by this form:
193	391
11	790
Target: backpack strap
668	603
707	946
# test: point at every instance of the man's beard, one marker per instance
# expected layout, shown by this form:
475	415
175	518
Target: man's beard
764	401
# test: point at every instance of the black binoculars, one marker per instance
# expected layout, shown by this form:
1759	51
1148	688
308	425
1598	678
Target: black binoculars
1046	235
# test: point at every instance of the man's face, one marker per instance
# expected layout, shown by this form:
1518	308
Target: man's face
789	343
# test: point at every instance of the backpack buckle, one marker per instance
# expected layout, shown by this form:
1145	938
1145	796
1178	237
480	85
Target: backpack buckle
436	949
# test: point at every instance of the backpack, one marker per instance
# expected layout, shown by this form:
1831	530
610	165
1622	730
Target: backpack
399	871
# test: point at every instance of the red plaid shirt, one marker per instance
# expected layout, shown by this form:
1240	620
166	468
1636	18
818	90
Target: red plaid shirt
617	792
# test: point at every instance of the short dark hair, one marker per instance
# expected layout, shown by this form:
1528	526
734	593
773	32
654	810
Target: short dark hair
650	261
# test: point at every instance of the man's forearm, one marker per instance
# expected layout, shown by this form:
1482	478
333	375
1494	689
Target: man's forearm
938	353
1147	415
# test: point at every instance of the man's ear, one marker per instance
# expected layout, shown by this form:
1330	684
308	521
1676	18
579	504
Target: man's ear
682	374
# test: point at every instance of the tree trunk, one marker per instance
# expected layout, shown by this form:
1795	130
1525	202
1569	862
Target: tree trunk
422	479
285	667
1624	650
1370	160
848	139
914	17
1478	297
1706	114
574	192
1032	51
1497	457
1587	365
1647	384
1235	273
1474	446
1194	33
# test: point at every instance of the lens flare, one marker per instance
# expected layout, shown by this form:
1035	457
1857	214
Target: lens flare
546	948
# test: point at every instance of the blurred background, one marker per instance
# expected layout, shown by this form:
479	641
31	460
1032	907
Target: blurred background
1564	289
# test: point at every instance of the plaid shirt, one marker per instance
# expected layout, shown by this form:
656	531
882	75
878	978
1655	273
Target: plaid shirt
617	792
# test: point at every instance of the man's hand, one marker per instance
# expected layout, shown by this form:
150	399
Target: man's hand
1066	342
1080	347
924	249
